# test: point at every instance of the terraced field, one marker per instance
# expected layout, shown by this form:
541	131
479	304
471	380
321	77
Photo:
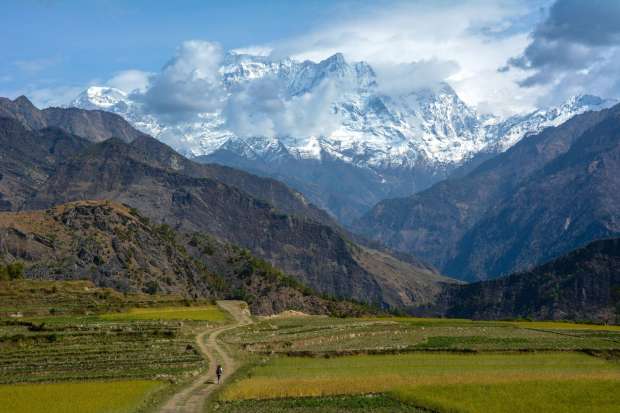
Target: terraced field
322	335
211	313
130	353
87	348
59	338
319	364
27	298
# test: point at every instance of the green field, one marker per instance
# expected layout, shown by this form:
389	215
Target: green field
116	353
282	377
93	397
322	335
368	403
402	364
200	313
558	396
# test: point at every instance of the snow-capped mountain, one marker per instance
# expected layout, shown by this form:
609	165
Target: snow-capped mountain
329	130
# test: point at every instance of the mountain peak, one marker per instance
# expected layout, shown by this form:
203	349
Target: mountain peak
336	58
100	97
23	101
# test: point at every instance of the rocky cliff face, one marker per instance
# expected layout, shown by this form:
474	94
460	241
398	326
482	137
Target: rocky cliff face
114	246
259	214
582	285
547	195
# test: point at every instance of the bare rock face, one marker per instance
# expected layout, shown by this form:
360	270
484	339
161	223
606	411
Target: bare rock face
547	195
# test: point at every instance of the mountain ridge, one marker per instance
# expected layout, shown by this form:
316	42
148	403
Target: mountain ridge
583	285
259	214
385	145
511	212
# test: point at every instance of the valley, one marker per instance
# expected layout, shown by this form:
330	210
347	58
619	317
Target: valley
310	207
156	353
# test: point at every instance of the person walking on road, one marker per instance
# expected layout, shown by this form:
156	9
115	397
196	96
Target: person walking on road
218	372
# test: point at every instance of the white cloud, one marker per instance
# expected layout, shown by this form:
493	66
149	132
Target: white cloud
261	107
478	36
188	84
396	79
43	97
130	80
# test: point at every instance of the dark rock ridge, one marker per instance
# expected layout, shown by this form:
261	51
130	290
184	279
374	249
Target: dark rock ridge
94	125
582	285
47	167
316	254
114	246
549	194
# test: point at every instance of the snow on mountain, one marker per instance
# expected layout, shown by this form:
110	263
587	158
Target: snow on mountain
505	134
432	125
281	111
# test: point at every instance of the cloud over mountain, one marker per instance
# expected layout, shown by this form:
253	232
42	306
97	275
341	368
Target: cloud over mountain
188	84
575	49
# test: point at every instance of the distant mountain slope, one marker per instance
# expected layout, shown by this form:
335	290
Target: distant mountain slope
582	285
115	246
48	167
94	125
332	130
151	151
549	194
28	158
318	255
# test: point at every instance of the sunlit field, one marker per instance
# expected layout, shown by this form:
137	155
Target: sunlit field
322	335
93	397
558	396
202	313
282	377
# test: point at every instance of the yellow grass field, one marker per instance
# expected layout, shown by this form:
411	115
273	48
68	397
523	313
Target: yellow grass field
92	397
200	313
563	396
283	377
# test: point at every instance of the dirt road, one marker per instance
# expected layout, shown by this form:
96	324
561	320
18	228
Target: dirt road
192	398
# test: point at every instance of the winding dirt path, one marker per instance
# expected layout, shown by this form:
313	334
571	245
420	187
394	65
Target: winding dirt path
192	398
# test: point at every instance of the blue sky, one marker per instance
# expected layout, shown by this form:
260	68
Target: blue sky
501	56
75	42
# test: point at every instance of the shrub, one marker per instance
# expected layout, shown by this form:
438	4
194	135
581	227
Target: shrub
13	271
